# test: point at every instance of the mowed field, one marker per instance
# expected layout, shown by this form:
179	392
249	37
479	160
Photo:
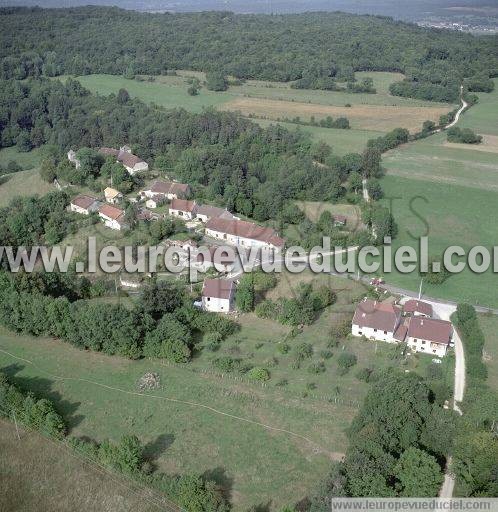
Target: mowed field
263	444
363	117
369	114
454	188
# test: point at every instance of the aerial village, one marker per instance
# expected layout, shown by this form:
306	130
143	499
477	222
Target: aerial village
394	320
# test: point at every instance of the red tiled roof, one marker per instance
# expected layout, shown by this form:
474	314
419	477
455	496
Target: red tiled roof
245	229
111	211
340	218
182	205
383	316
218	288
400	333
417	306
430	329
83	201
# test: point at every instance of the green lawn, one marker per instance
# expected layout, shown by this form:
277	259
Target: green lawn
455	189
24	183
483	117
432	160
341	141
25	160
171	93
72	483
455	215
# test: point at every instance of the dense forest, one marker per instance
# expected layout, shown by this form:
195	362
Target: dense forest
315	49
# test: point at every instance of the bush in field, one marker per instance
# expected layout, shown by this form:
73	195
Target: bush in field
317	367
226	364
257	373
345	361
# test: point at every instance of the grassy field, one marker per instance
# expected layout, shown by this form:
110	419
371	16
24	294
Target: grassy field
25	160
313	210
448	215
71	483
341	141
382	118
369	113
455	189
200	420
24	183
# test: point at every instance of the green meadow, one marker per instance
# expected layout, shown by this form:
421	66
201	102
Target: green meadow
262	443
171	92
341	141
453	190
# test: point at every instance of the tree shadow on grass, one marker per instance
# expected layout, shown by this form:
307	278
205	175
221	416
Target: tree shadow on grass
153	450
222	480
43	388
5	178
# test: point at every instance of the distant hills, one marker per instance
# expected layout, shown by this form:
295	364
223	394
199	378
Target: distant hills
411	10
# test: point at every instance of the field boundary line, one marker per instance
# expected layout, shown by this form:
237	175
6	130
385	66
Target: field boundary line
175	400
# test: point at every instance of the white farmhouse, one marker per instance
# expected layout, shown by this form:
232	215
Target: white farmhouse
167	189
131	162
183	209
113	217
84	205
205	212
376	320
112	196
415	307
218	295
383	321
429	335
244	234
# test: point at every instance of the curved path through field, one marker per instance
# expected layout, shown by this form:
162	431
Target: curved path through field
317	447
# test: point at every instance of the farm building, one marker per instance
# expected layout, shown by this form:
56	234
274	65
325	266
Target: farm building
243	233
218	295
113	217
182	208
206	212
131	162
84	204
167	189
112	196
414	307
383	321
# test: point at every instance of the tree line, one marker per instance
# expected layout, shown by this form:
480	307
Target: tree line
161	324
317	50
190	491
